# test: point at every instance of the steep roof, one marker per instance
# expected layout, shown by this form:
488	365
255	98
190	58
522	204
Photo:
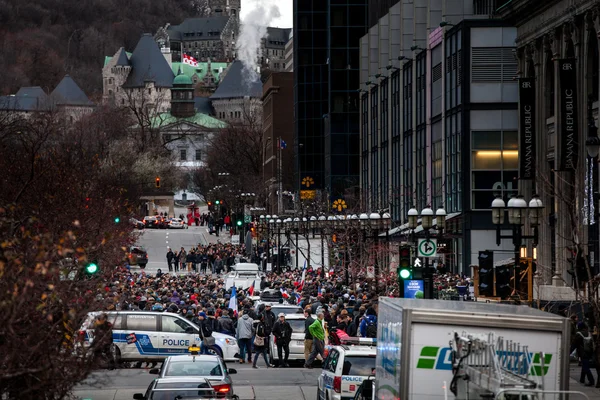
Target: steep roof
22	103
200	70
123	58
32	91
203	105
69	93
235	84
278	35
108	58
149	64
165	119
198	28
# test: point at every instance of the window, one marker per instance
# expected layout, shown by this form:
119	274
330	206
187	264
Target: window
333	361
385	195
374	117
182	154
453	183
196	368
494	166
374	177
408	97
396	188
453	80
174	325
384	109
139	322
407	157
359	365
116	320
396	103
198	155
493	64
421	167
365	122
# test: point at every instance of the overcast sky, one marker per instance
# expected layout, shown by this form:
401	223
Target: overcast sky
286	8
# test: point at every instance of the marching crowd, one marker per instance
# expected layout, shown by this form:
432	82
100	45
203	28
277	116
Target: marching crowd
201	296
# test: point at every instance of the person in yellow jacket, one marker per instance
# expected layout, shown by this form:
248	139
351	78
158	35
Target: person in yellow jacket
317	330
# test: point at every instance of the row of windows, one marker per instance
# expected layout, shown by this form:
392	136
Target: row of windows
183	155
232	114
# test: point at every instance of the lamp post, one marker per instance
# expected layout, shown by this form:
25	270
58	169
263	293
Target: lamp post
427	215
592	145
322	221
516	208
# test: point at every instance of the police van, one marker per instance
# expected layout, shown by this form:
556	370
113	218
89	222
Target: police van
344	369
153	336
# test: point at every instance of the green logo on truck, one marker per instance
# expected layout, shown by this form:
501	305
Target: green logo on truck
439	358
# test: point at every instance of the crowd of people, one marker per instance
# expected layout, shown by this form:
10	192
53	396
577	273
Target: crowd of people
202	297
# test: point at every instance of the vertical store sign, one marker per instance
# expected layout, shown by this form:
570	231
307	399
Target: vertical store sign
527	128
568	137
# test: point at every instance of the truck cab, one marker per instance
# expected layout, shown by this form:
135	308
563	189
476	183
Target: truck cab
243	275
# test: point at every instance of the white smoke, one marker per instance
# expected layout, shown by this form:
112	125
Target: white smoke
253	30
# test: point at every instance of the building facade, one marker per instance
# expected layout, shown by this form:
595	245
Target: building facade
273	48
557	53
326	76
278	132
289	55
439	119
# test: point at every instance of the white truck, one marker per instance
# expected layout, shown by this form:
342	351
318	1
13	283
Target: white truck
243	275
429	350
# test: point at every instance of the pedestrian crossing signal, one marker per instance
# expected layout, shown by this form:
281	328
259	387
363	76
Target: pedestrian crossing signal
157	182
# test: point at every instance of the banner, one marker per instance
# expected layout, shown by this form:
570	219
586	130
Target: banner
414	289
568	137
527	128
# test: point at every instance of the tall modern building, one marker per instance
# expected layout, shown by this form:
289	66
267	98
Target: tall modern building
326	76
439	119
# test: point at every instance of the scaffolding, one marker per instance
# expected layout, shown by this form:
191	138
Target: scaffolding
484	366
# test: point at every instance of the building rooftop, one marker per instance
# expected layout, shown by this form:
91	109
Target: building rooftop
67	92
236	84
165	119
200	70
278	36
203	105
149	64
207	28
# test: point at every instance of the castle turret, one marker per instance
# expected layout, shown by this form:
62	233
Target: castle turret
182	96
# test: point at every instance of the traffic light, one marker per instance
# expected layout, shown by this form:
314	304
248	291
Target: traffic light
504	275
91	268
404	266
217	202
157	182
239	222
210	203
117	220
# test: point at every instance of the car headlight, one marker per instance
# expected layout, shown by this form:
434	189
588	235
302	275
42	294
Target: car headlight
231	342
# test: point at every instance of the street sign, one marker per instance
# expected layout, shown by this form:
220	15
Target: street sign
235	239
247	218
370	271
427	248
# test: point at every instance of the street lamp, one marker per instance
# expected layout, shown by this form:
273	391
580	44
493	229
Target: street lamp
517	207
413	216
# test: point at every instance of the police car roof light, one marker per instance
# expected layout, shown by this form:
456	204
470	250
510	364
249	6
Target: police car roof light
359	341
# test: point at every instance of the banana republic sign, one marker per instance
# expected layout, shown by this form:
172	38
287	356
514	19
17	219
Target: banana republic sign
568	137
527	128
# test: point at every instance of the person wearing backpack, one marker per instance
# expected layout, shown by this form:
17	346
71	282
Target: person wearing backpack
368	326
584	343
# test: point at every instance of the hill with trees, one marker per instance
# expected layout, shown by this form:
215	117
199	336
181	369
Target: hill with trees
42	40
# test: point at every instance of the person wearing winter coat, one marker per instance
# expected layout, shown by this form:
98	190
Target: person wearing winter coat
584	344
181	256
205	331
226	325
368	322
261	341
244	336
282	330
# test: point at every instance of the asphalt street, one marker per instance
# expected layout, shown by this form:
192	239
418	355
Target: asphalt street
249	384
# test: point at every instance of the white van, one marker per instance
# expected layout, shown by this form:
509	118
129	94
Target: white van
147	335
243	275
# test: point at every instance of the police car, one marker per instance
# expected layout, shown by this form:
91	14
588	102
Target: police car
153	336
344	369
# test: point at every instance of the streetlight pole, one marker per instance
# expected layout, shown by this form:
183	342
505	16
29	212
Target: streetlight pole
322	223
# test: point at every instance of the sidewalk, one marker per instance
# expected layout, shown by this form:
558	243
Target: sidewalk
574	384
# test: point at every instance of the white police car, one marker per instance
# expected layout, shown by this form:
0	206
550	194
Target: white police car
344	369
153	336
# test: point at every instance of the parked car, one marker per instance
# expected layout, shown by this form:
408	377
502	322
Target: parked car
178	388
138	224
176	223
150	221
137	256
210	367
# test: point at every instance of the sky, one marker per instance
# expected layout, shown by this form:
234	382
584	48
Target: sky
286	8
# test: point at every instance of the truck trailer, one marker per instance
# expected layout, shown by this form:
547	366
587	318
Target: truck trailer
430	349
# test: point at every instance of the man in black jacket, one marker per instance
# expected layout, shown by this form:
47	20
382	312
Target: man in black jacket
282	330
270	319
226	324
205	331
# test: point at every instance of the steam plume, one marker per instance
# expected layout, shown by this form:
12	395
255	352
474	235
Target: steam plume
253	30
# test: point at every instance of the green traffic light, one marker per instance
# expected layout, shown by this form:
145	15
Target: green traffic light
91	268
404	273
239	223
217	202
117	220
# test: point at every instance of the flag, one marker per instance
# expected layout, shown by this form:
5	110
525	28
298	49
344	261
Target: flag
284	293
301	285
233	301
251	290
282	144
298	297
189	60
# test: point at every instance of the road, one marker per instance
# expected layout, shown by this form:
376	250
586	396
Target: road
249	384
